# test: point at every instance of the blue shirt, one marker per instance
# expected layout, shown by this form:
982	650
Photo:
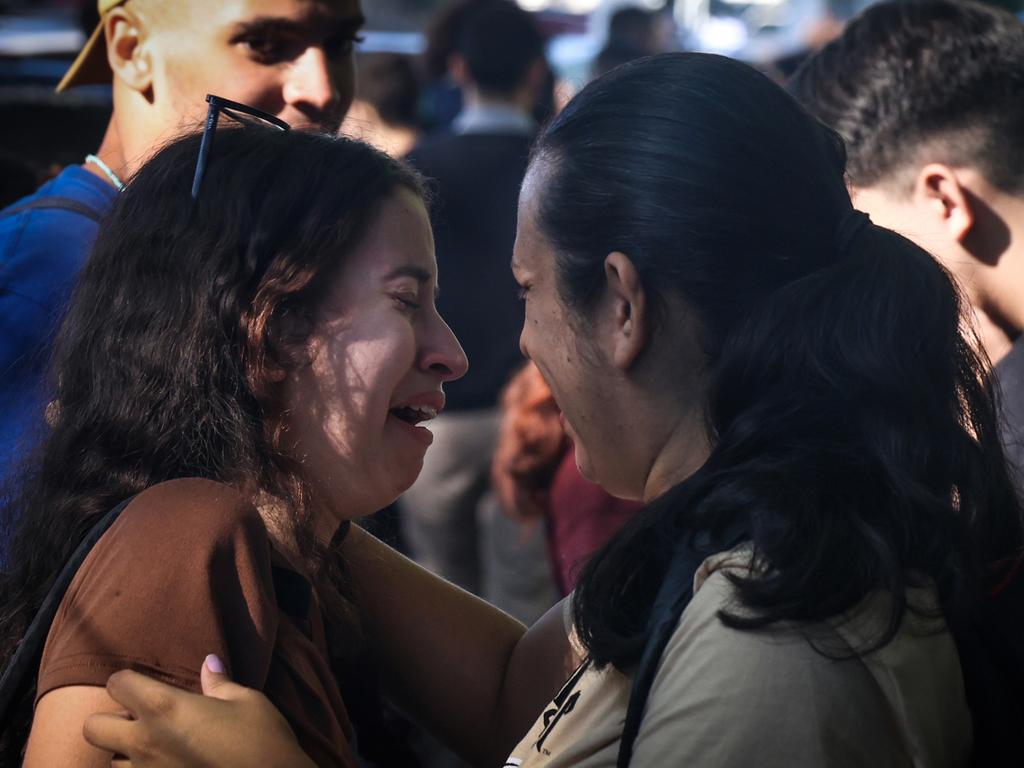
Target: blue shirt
41	253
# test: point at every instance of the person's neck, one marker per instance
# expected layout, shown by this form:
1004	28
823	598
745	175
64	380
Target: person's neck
520	100
996	289
111	152
682	452
281	531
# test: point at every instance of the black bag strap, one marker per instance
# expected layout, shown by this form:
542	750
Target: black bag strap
673	596
24	663
53	202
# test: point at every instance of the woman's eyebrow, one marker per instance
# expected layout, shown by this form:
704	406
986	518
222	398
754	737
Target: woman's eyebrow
409	270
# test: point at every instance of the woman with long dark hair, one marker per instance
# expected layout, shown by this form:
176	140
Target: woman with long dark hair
250	367
792	391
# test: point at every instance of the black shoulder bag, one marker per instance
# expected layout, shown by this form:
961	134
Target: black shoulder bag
674	595
24	663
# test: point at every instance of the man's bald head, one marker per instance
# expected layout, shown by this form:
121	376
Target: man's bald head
291	58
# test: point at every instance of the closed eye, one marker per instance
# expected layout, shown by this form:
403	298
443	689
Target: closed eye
407	303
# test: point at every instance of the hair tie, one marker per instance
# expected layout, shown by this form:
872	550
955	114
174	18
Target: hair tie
852	224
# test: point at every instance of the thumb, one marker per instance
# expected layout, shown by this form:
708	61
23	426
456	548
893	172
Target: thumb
215	679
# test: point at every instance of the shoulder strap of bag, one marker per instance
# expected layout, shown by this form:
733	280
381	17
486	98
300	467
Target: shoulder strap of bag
53	202
674	595
25	662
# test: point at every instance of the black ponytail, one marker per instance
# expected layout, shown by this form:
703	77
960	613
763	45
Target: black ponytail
853	424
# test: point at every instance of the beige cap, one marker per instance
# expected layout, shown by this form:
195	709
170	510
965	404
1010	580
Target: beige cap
91	65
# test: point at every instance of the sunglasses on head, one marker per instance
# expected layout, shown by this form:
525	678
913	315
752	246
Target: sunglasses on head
240	113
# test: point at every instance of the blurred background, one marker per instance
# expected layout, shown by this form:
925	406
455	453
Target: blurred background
402	60
42	131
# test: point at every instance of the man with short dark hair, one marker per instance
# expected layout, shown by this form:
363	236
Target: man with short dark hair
929	96
477	168
292	58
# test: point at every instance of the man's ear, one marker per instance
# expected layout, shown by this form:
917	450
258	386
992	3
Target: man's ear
630	310
938	190
127	52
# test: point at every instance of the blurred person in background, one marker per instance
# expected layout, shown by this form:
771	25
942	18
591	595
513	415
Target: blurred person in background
441	99
536	479
384	111
633	27
476	169
441	93
929	97
291	58
634	32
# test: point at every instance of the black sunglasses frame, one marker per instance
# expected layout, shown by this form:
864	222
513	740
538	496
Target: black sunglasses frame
219	104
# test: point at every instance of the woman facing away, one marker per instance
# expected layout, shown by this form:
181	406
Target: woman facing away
789	389
251	367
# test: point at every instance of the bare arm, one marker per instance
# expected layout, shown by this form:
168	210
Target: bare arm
56	738
473	675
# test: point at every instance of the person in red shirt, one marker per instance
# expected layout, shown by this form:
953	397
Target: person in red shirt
535	477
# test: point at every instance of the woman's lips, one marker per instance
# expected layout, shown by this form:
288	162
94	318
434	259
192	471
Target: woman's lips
418	433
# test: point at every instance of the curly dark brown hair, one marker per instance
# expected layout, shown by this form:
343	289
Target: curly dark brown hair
164	366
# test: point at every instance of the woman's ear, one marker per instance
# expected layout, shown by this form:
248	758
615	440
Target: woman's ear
629	306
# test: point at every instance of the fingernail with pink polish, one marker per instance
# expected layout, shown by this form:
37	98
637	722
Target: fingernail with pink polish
214	664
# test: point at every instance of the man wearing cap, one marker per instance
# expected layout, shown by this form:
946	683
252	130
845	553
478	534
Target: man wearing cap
291	58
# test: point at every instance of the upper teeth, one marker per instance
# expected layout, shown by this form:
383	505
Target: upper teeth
424	412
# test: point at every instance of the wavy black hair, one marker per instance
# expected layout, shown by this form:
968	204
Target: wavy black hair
852	422
164	365
915	81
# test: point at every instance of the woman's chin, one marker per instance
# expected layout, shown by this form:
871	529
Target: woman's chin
403	476
584	465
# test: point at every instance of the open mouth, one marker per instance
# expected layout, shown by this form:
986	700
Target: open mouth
414	415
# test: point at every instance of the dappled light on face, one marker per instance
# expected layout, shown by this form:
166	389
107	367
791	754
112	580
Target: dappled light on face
354	410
